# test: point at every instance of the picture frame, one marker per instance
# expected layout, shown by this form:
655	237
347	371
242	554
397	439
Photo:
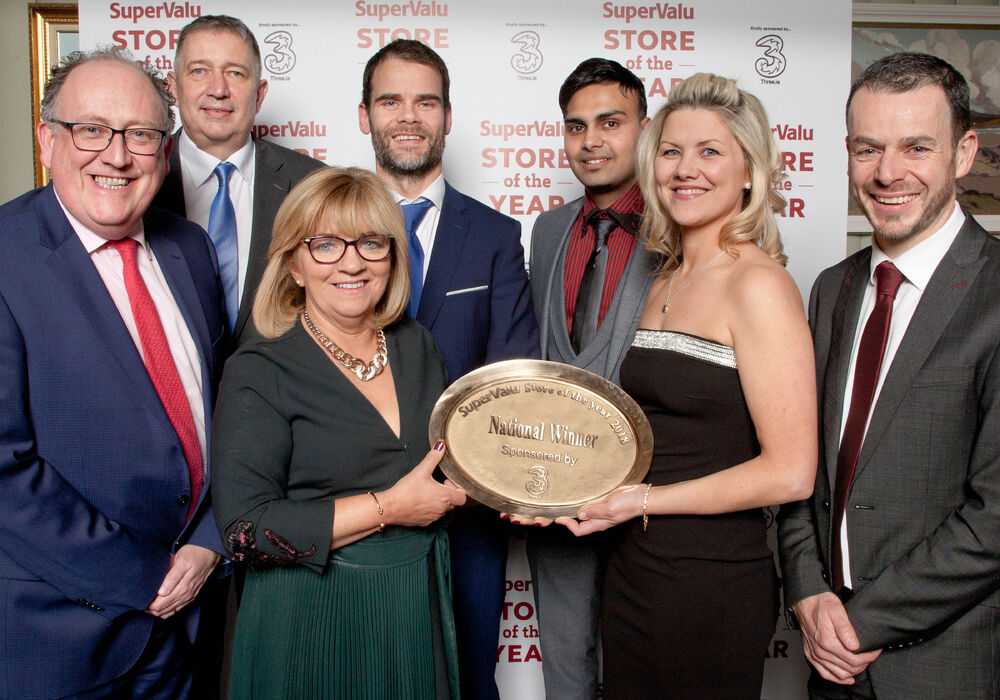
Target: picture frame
967	37
54	34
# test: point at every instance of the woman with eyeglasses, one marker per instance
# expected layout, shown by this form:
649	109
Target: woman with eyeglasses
322	473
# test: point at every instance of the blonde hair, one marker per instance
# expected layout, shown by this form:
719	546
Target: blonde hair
356	201
746	119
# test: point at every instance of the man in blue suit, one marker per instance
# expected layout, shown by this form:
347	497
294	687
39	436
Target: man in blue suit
468	287
111	328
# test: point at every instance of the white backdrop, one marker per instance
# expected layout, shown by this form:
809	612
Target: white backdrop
507	61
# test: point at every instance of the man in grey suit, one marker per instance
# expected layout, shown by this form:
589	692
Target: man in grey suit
893	566
216	82
604	110
218	90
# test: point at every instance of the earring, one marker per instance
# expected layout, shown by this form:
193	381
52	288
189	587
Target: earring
746	186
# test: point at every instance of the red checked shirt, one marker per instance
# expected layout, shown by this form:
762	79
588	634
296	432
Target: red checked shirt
621	243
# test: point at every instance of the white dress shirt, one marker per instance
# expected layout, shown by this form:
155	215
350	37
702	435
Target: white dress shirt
917	265
182	346
427	230
201	186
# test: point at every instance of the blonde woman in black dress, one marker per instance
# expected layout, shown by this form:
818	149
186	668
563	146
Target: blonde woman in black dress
723	367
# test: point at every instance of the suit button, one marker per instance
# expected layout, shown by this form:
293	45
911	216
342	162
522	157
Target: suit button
826	505
183	499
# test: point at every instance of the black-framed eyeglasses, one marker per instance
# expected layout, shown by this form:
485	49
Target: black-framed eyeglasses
140	140
330	249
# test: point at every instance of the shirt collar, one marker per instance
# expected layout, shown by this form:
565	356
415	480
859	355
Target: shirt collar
200	166
91	241
626	210
629	203
434	194
919	262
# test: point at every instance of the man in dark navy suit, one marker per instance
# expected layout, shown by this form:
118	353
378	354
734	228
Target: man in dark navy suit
111	331
468	287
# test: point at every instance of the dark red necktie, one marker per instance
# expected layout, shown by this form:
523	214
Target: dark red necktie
160	364
871	351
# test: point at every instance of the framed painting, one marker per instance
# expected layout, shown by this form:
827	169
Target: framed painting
969	39
54	34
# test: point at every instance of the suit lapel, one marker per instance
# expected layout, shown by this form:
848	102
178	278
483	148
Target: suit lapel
270	187
171	193
447	254
97	313
554	309
178	276
843	323
948	286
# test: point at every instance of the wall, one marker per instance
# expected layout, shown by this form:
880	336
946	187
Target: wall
17	174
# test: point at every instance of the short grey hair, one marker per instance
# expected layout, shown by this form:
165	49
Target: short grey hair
221	23
57	78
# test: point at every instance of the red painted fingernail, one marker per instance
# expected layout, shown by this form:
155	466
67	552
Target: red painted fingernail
439	445
505	516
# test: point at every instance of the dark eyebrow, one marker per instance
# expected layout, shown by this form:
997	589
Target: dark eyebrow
600	117
612	113
918	140
865	141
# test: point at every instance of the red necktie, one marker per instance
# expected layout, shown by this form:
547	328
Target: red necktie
866	371
160	364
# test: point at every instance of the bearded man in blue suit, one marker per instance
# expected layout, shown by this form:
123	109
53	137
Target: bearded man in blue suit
468	287
111	331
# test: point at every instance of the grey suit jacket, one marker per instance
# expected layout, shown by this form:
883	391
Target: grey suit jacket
924	505
604	355
276	171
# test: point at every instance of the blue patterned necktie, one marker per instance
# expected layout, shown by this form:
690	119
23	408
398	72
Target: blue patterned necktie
222	231
413	214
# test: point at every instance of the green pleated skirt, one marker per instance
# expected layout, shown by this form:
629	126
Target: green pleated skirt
377	623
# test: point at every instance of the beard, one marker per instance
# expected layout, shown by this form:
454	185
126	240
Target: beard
414	165
896	230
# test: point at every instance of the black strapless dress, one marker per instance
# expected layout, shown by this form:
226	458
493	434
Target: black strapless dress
689	606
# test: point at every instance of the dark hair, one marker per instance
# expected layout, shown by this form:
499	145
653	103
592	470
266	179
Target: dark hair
406	50
602	70
907	70
221	23
59	74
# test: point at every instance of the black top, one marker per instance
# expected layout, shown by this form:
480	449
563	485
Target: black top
690	391
292	433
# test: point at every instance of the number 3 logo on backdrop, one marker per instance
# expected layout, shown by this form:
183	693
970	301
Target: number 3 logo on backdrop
282	59
772	63
529	58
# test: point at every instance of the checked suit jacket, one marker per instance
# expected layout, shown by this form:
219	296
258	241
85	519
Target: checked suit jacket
924	504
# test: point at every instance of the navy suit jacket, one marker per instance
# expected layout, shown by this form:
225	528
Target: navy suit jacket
276	171
476	301
94	487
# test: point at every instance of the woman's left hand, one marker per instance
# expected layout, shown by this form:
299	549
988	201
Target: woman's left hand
624	504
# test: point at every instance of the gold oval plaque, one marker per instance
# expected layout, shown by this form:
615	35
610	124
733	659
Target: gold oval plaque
533	437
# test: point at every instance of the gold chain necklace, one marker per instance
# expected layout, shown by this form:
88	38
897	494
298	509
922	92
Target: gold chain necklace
670	287
362	369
